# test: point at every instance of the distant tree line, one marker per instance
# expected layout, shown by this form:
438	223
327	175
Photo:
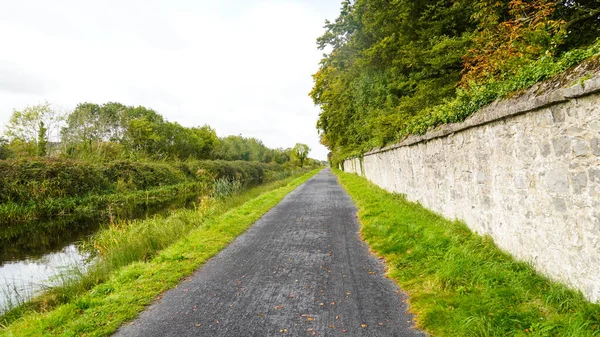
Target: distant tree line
114	131
389	63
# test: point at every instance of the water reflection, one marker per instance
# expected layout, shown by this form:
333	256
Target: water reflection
46	238
21	280
32	255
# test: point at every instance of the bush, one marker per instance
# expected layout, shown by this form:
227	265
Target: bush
247	173
33	181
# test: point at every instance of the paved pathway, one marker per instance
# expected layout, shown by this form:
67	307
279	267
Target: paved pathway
301	270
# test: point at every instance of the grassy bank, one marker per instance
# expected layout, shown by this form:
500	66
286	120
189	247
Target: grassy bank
461	284
16	218
140	260
58	188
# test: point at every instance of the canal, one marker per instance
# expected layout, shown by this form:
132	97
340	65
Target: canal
37	258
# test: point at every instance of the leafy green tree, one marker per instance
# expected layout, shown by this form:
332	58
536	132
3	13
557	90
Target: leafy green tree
241	148
209	141
42	141
510	35
389	60
186	143
300	151
30	128
281	156
143	135
137	132
582	22
91	123
25	124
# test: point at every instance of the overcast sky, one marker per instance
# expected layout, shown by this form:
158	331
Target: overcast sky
241	66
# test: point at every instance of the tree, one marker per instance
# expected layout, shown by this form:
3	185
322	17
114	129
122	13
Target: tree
242	148
25	124
33	126
510	35
209	141
91	123
281	156
42	141
185	143
582	21
301	151
389	61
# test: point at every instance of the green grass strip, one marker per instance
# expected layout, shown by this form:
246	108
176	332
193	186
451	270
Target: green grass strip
129	290
459	283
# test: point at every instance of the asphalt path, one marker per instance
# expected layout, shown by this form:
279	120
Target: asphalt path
301	270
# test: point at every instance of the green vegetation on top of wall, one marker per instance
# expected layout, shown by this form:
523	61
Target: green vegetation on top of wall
460	283
395	68
476	97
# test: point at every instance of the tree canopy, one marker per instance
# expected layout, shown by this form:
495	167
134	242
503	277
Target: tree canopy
30	128
300	152
390	62
115	131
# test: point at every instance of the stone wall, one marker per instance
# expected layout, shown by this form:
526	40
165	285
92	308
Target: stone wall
524	171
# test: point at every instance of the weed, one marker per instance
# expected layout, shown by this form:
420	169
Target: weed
224	187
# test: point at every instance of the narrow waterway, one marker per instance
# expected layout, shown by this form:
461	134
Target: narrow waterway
39	259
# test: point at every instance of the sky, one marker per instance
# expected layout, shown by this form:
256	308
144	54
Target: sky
240	66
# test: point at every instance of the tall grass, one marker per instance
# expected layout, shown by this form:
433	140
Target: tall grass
18	294
14	295
84	214
225	187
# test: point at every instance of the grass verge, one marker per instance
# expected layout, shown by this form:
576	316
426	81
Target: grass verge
461	284
139	271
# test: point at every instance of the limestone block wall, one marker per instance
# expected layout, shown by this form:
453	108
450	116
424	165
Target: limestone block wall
525	171
353	165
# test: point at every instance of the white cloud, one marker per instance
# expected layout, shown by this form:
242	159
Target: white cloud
242	67
20	81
